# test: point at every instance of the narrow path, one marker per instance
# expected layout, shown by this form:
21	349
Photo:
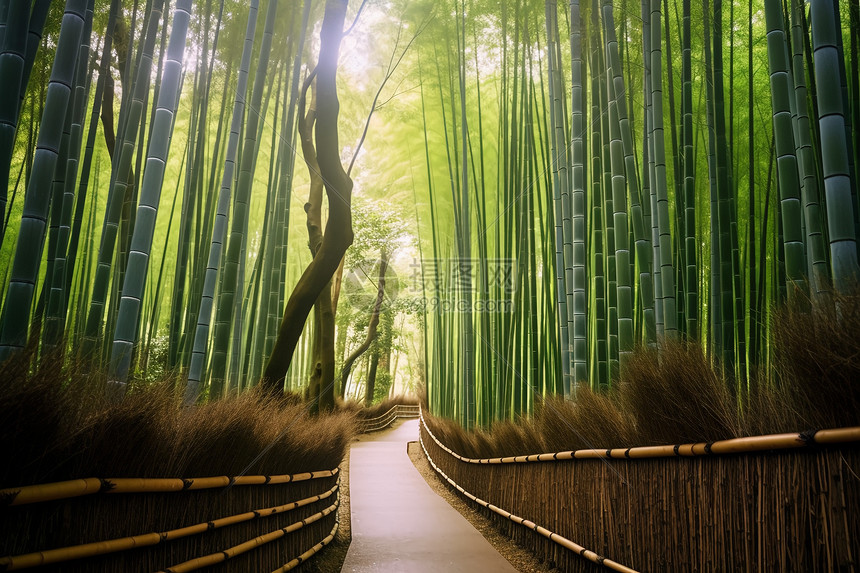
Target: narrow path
399	524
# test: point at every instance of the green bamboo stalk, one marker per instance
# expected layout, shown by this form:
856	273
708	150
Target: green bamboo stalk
203	226
194	186
601	351
83	185
57	302
153	178
34	39
13	44
615	93
667	273
834	148
4	12
816	252
732	322
786	160
716	329
561	193
608	224
219	231
31	235
119	186
689	161
230	276
580	258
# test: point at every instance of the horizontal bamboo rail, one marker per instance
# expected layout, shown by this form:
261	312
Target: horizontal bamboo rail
50	556
721	447
88	486
563	541
310	552
386	419
214	558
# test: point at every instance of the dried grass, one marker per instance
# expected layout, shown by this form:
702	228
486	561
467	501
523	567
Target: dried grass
677	396
817	360
55	427
593	420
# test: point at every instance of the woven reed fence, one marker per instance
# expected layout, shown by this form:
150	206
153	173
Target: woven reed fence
249	523
386	419
771	503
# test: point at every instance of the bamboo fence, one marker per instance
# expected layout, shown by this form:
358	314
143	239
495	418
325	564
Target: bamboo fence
95	524
787	502
187	523
386	419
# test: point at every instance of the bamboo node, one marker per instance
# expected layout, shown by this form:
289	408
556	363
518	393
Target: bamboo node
187	483
708	448
7	497
106	485
807	436
676	448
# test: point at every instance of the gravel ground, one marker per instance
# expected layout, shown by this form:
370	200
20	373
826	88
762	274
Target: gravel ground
331	558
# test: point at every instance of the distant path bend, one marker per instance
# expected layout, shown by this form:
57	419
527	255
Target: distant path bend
399	524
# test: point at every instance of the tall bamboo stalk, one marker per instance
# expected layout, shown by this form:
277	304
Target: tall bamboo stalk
153	178
786	160
834	148
15	318
219	230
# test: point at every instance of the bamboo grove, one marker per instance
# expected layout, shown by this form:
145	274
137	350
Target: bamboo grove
633	195
571	181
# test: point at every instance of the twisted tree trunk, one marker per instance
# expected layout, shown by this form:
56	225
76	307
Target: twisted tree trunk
338	186
371	331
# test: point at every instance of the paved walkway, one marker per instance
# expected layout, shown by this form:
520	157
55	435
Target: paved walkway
399	524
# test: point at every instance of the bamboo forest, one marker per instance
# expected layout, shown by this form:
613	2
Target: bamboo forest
539	240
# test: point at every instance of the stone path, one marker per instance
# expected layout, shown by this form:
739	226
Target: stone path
399	524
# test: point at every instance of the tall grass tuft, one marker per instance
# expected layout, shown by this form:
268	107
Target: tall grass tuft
817	361
592	420
57	426
678	396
